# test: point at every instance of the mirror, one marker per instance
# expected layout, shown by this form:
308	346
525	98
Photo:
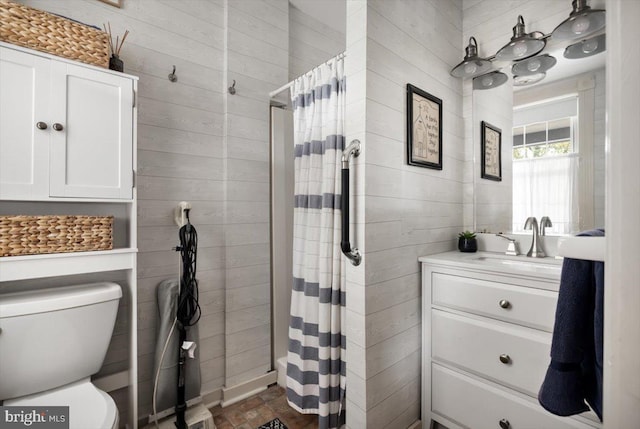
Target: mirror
553	149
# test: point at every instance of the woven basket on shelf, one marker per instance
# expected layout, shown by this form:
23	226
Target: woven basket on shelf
32	28
32	235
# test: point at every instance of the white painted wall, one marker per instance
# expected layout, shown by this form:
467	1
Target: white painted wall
402	211
621	404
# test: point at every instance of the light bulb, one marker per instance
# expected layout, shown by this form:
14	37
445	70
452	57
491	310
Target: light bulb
580	25
533	65
487	81
519	48
470	68
589	46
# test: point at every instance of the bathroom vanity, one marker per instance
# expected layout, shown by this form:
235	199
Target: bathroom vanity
487	326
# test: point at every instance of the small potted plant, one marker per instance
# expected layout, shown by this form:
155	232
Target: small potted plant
467	242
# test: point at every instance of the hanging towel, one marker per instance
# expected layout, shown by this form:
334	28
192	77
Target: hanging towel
575	372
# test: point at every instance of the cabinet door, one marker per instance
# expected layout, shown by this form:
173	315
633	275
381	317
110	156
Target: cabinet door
91	151
24	148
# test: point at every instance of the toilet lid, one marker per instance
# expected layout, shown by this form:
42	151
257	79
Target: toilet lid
89	407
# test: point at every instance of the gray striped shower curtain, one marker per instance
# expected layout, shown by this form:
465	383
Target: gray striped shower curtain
316	359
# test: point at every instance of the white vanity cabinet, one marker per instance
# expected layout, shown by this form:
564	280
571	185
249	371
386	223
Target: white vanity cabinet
66	129
487	330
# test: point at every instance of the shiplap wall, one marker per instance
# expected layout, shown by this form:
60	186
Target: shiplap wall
408	211
257	58
198	143
180	157
311	42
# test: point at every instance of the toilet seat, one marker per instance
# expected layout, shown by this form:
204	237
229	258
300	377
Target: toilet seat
89	407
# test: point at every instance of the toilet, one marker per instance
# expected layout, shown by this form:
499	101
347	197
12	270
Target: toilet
51	342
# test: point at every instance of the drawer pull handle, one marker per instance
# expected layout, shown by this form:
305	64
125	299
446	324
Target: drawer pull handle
504	424
504	303
41	125
58	127
505	359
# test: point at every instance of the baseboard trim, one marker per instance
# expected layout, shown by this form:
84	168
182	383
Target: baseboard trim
212	398
416	425
231	395
221	396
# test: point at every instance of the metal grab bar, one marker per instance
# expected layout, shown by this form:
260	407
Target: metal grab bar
352	254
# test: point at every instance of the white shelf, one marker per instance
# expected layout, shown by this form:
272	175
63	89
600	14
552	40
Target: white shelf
64	264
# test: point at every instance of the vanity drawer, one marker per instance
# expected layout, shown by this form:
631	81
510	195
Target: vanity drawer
525	306
481	345
471	403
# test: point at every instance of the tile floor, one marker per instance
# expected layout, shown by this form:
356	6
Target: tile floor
262	408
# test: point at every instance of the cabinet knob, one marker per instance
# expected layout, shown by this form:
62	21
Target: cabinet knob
58	127
504	424
41	125
505	359
503	302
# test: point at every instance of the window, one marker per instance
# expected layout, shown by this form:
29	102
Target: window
550	138
545	164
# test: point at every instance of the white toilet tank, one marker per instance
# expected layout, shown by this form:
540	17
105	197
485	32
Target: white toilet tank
52	337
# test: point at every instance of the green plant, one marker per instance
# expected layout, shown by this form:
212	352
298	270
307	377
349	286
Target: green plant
467	235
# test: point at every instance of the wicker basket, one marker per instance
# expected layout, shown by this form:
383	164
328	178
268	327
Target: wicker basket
32	28
32	235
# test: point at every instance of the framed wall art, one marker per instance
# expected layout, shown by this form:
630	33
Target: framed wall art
491	141
424	129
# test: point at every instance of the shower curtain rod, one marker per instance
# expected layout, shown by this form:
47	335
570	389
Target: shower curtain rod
287	86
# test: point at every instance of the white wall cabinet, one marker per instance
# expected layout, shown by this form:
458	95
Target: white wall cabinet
486	338
66	130
68	146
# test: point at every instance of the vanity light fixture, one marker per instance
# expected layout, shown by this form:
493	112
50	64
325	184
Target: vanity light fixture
472	64
582	22
533	65
522	45
586	48
490	80
521	51
529	79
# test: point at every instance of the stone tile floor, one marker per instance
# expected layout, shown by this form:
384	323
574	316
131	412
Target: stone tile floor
262	408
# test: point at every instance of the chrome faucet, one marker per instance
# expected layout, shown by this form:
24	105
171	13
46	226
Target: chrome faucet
544	222
535	251
512	247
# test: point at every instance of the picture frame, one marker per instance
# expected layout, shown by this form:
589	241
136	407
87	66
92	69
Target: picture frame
424	129
491	143
115	3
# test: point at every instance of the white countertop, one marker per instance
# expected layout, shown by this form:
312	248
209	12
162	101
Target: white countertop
547	268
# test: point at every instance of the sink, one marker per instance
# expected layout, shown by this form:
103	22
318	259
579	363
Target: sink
521	262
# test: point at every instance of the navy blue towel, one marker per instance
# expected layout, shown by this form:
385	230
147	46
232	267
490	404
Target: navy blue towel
575	372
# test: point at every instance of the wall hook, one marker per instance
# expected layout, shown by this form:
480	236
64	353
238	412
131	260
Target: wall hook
232	88
172	75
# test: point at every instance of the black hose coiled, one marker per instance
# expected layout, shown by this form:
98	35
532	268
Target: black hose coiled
188	312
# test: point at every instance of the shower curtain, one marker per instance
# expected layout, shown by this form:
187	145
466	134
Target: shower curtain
316	359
